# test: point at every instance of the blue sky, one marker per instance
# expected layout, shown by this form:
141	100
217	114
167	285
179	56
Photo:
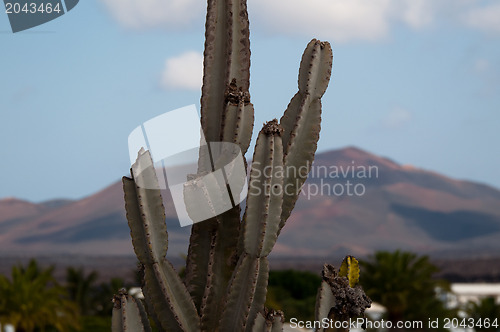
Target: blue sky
415	81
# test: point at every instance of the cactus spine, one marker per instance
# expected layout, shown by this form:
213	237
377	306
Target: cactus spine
227	267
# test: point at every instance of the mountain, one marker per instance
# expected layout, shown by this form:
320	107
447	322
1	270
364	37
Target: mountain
354	202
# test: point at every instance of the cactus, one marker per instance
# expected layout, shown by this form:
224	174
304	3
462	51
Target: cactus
227	267
129	314
340	297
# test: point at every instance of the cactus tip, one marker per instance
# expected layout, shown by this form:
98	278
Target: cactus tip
273	127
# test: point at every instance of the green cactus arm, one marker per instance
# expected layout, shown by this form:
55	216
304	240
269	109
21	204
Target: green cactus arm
315	68
162	314
145	211
227	114
241	292
221	265
314	75
259	299
169	298
211	257
226	57
277	319
272	322
302	120
146	216
238	123
200	250
212	245
126	315
214	67
199	195
350	270
325	300
144	315
265	194
239	49
150	309
142	247
259	324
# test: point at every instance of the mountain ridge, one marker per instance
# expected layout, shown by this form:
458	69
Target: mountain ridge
403	207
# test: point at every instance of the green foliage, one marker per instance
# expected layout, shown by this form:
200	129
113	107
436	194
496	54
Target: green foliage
485	309
403	283
80	289
299	284
92	298
293	291
103	295
32	299
96	323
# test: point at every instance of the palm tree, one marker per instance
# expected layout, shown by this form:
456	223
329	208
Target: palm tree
105	294
32	299
81	289
403	283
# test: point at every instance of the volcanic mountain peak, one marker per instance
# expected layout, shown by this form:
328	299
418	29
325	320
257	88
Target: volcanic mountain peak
403	207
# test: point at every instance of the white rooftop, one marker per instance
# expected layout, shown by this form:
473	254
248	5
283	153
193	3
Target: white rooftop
479	289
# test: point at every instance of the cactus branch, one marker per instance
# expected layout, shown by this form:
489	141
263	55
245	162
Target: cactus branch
302	120
241	292
226	58
146	215
265	196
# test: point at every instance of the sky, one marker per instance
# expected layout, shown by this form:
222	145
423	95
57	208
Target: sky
417	81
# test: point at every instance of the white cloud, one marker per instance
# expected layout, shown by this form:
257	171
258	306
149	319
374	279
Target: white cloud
341	20
415	13
484	18
328	19
335	20
338	20
183	72
155	13
397	118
